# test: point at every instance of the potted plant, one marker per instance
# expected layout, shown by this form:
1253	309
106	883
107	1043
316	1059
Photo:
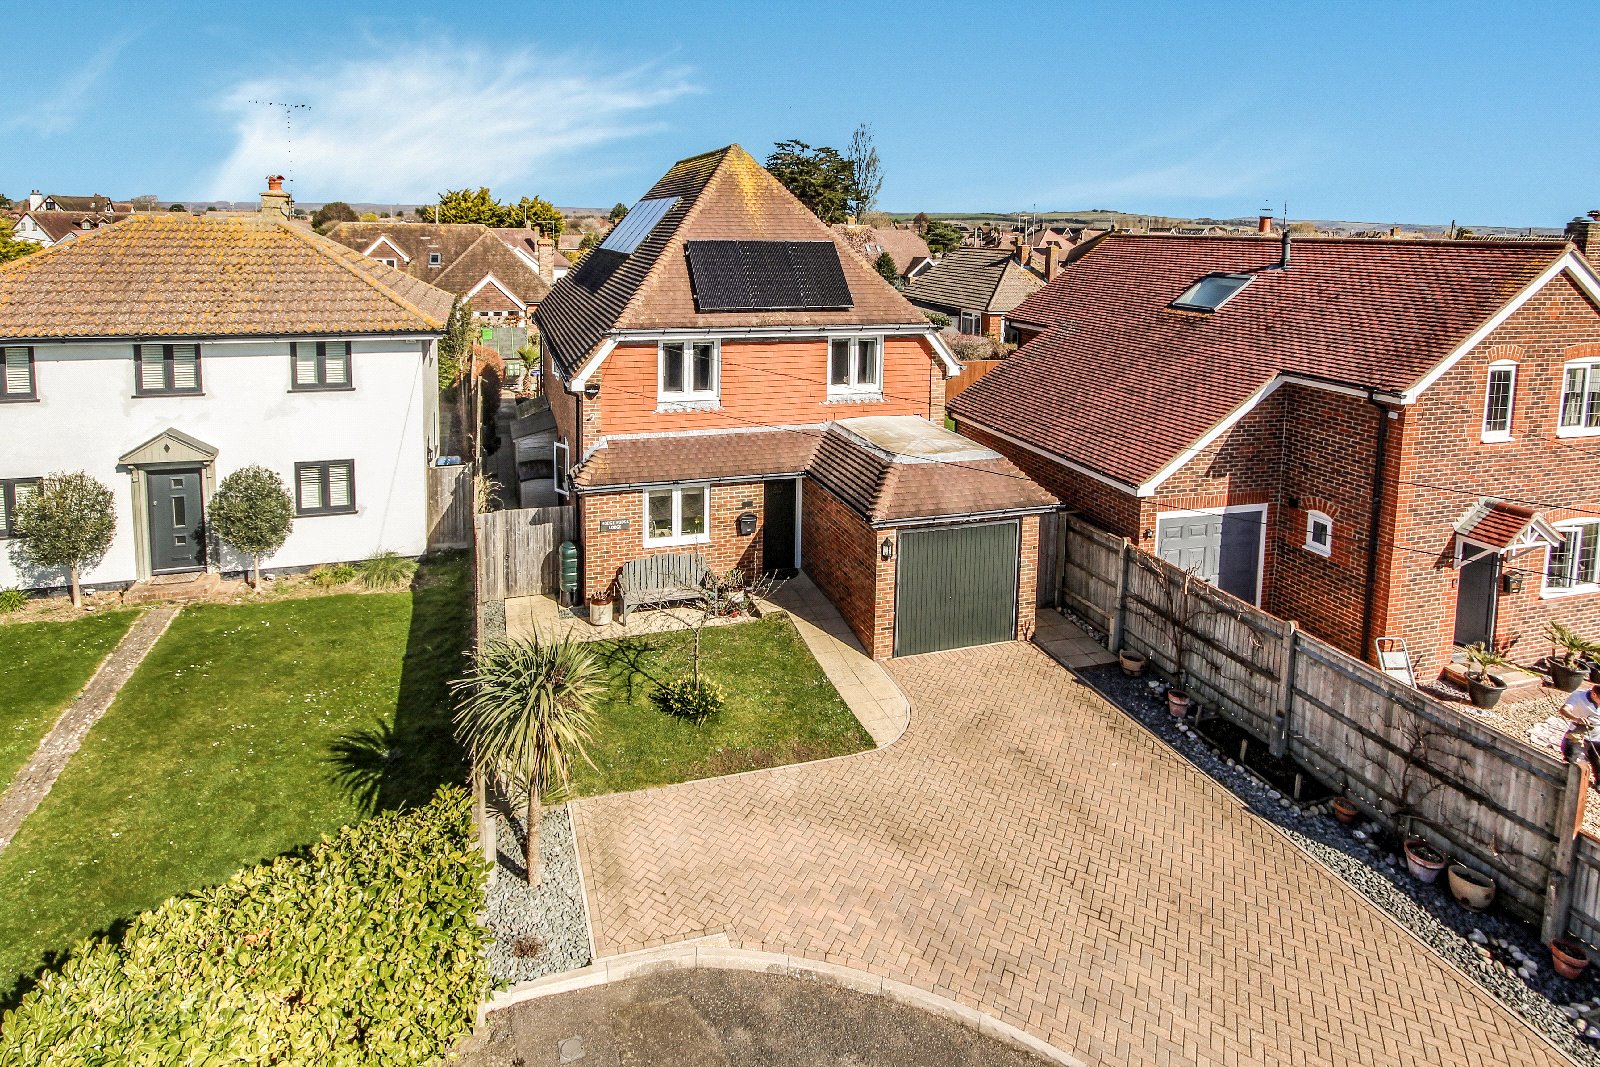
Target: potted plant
1566	660
600	608
1345	810
1133	663
1424	861
1474	889
1570	956
1178	702
1486	689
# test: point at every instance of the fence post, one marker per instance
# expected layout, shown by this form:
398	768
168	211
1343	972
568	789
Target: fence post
1280	736
1061	559
1558	896
480	814
1119	606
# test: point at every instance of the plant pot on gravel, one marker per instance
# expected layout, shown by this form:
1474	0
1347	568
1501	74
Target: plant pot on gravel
1594	671
1568	653
1178	703
1570	956
1474	889
1424	861
1133	663
1486	691
1345	810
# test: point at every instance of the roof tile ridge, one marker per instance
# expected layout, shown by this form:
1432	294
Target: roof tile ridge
334	251
651	278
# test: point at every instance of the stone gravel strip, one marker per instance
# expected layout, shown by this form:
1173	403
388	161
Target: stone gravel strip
34	782
1501	954
544	929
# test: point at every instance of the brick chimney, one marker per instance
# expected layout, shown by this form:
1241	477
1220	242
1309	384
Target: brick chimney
1584	231
1263	223
275	203
1050	265
547	260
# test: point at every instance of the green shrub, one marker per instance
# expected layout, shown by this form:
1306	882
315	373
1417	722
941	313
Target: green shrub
329	575
366	950
388	570
12	600
686	700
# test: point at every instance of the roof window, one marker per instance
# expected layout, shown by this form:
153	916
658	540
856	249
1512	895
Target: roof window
1211	292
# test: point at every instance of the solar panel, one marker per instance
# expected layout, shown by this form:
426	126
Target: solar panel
767	275
637	224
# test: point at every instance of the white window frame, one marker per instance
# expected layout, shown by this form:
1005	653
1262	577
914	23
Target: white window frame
977	323
435	259
688	395
559	454
1501	366
855	388
1312	518
677	537
389	261
1548	591
1590	367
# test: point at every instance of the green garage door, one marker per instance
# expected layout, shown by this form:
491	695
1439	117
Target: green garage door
956	586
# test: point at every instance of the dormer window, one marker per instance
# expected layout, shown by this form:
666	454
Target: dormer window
1211	292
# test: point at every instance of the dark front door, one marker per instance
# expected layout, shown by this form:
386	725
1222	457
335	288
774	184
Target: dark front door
177	542
778	535
955	587
1477	585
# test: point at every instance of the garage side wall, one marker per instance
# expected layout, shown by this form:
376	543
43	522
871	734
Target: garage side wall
841	555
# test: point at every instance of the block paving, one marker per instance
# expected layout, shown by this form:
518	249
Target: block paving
1027	850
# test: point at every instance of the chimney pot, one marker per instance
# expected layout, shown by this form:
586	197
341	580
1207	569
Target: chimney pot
1263	223
1584	232
275	203
275	183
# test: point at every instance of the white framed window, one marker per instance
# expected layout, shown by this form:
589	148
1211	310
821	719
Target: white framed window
689	372
559	465
1499	397
855	366
1580	399
389	261
1319	533
678	515
435	259
1574	565
970	323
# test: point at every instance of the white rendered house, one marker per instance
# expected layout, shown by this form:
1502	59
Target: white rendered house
161	354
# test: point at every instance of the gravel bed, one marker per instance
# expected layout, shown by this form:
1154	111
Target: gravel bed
491	620
1502	954
541	930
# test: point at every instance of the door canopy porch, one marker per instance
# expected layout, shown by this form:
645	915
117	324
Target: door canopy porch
1499	527
170	446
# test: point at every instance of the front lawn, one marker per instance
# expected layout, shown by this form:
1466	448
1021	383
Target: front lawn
249	731
46	664
781	709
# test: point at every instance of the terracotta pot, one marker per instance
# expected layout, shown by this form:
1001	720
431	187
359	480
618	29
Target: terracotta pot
1569	956
1177	703
1345	810
1133	663
1424	860
1474	889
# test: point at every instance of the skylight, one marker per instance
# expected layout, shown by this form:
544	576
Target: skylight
637	224
1211	292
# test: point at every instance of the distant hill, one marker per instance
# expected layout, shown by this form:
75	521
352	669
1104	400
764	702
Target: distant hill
1104	217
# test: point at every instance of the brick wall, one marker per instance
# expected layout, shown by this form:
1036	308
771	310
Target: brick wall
605	551
563	405
1103	505
1028	577
840	553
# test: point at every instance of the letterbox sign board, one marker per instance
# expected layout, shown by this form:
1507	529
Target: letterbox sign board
612	525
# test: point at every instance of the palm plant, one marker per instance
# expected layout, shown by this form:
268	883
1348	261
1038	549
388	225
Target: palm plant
524	710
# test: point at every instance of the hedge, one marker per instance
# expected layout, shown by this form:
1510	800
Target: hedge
364	950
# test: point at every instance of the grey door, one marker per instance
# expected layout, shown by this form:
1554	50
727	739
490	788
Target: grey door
778	529
1477	587
955	586
1223	548
177	542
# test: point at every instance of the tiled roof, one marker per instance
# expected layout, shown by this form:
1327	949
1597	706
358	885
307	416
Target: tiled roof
698	457
175	275
490	256
1121	383
467	252
57	224
975	279
1501	525
869	242
80	203
722	195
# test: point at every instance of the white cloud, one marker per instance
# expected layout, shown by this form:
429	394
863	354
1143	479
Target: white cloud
62	107
406	122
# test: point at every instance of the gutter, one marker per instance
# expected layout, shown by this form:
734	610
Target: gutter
1380	462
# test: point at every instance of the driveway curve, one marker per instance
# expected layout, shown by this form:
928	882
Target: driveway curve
1028	850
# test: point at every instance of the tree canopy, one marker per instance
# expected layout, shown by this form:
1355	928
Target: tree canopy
941	236
177	207
10	247
479	205
330	213
618	212
67	521
820	178
884	265
252	512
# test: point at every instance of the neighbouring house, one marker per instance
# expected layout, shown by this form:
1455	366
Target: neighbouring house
96	204
49	228
729	380
905	246
502	285
976	288
536	250
1374	438
164	352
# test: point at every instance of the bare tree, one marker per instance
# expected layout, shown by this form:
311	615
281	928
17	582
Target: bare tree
863	156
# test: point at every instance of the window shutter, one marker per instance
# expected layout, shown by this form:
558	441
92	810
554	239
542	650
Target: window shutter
185	367
5	511
340	491
336	364
19	372
305	363
152	376
311	489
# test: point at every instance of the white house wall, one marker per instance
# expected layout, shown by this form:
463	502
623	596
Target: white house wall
87	416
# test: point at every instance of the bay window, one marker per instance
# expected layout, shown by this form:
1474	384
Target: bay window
677	515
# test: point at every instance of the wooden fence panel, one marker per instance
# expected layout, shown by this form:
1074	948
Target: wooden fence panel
972	372
1052	546
517	551
450	507
1089	564
1585	916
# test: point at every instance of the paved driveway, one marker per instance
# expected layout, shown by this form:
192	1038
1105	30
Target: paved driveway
1028	850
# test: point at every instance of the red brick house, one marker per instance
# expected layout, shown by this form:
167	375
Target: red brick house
976	288
729	379
1375	438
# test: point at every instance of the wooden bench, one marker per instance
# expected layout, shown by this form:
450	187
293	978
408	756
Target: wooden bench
666	579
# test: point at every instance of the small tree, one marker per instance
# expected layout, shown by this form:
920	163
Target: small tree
177	207
941	237
524	710
454	346
330	213
68	521
618	212
863	156
884	265
252	513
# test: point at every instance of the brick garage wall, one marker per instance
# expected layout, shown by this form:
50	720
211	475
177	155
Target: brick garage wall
605	551
1447	466
839	551
1028	577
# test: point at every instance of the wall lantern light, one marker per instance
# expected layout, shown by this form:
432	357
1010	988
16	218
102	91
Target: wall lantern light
1512	580
886	550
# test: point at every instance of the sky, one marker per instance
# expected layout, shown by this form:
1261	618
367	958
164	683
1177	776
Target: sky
1383	112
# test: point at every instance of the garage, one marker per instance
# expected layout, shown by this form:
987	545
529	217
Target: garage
1223	546
956	586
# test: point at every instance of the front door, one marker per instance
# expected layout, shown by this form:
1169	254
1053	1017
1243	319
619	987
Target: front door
177	542
1477	589
778	534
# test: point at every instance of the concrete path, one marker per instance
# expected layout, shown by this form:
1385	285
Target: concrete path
1027	850
1067	643
34	782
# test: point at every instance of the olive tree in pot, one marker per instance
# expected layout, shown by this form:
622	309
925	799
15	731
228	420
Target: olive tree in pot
1486	688
1566	661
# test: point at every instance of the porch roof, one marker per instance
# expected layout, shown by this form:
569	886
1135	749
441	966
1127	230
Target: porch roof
1507	527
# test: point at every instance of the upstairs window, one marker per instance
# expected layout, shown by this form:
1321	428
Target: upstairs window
1211	292
1580	400
971	323
1319	533
1572	565
855	367
326	487
1499	397
688	372
166	370
16	381
13	491
320	365
676	516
